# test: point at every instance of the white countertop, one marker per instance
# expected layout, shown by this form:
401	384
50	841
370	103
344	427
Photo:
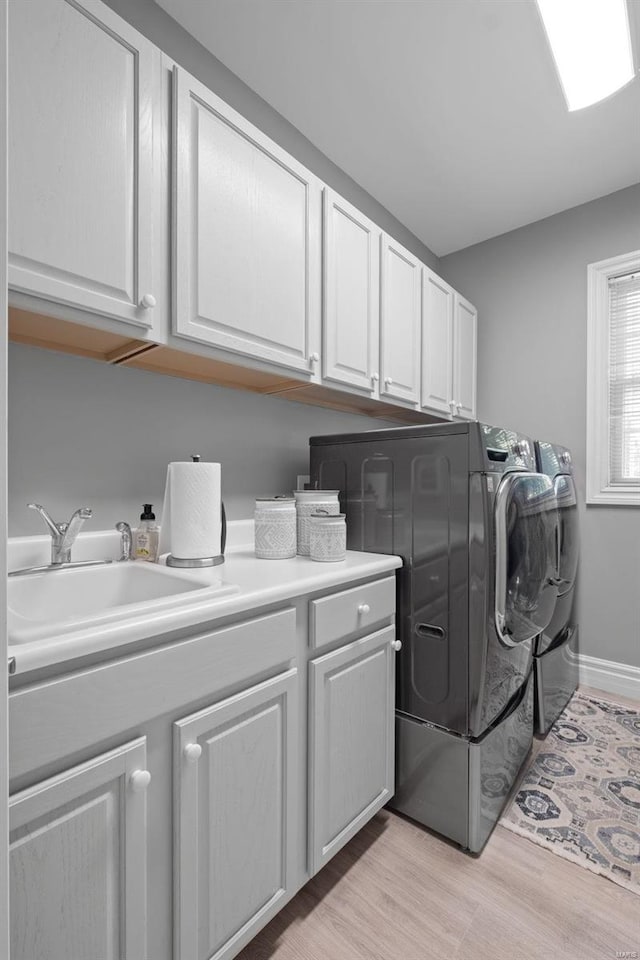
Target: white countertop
259	582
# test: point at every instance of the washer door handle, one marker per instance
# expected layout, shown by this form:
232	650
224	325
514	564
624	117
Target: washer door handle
429	631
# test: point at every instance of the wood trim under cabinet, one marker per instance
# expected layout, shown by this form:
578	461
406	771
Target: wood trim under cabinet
51	333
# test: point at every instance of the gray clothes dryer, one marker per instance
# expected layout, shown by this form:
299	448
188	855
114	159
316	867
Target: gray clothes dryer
475	525
556	649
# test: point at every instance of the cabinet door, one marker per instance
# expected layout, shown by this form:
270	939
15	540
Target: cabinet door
465	332
400	321
437	343
81	134
351	717
351	296
234	768
246	267
78	862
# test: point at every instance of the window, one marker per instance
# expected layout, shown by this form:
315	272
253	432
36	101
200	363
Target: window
613	381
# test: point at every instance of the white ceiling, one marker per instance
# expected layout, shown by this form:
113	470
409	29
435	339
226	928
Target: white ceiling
449	112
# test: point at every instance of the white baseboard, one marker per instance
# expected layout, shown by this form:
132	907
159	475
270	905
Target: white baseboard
610	676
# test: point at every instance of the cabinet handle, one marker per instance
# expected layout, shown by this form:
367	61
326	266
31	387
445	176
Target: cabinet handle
375	377
314	357
388	381
458	407
452	404
140	780
364	608
396	644
192	752
148	301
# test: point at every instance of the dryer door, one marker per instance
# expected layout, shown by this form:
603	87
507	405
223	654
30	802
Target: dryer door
526	556
568	539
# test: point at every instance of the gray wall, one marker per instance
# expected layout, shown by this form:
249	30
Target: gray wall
83	433
155	24
530	288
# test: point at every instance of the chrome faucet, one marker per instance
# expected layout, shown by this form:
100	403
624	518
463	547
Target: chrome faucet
63	535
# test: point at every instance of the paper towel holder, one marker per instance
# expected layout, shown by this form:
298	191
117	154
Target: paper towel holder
204	561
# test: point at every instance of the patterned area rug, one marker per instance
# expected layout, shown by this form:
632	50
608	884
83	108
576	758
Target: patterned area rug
580	795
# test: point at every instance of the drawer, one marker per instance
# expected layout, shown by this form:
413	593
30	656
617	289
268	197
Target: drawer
341	614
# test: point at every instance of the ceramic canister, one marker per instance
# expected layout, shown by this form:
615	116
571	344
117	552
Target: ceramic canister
327	536
275	528
308	502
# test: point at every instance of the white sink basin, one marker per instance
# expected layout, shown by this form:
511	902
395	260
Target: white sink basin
63	601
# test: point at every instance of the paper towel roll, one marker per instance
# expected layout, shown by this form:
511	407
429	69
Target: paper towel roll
191	517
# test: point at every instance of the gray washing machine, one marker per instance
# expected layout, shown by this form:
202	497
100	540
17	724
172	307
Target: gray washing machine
556	649
476	526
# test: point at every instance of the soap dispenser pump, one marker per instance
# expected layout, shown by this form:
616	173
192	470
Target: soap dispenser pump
147	536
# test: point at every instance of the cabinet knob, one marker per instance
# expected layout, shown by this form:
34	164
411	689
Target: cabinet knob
140	780
375	376
192	752
148	301
314	357
388	381
364	608
396	644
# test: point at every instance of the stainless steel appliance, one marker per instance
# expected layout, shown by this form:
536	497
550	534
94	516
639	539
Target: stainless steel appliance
556	649
475	525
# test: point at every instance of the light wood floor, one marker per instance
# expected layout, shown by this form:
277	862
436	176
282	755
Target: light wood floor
399	892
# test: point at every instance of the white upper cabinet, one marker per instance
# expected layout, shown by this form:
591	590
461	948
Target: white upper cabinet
465	351
351	296
400	322
246	269
449	349
81	137
261	274
437	343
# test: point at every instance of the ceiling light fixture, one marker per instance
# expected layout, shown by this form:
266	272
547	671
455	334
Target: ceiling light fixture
591	45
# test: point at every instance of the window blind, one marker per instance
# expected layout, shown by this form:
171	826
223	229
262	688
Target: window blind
624	380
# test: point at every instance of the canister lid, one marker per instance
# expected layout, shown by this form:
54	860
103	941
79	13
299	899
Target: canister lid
328	517
311	494
279	498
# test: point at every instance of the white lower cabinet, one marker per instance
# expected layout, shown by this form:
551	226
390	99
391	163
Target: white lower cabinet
235	817
351	740
78	862
252	784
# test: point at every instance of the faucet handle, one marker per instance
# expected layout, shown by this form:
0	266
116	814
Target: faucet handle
76	520
55	528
